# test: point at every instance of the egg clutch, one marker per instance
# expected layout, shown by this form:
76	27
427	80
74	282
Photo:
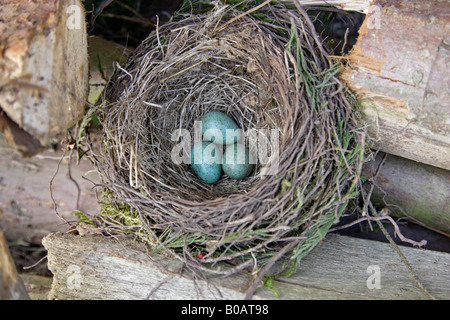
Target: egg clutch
207	161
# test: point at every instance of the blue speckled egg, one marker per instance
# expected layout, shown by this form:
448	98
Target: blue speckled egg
216	125
206	158
236	161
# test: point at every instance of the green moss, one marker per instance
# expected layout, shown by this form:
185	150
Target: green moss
82	218
127	218
268	283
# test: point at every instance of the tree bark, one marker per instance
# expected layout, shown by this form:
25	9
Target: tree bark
43	70
399	70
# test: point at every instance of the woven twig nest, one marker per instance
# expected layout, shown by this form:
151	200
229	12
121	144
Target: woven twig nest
267	70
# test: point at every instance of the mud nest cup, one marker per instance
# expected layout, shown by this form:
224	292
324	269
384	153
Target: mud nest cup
266	68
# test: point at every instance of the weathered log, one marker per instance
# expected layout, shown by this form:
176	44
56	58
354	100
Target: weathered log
413	188
43	70
399	70
11	285
26	208
95	267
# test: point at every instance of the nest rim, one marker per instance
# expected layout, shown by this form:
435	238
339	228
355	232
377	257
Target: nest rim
273	221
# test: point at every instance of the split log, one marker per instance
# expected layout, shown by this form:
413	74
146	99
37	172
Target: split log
413	188
399	70
43	70
11	285
95	267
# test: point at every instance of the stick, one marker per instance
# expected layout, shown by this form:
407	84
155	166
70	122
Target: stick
415	278
244	14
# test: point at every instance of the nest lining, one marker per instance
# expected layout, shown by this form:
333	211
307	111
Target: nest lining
269	73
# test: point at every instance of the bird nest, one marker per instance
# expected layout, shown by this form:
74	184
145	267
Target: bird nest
265	67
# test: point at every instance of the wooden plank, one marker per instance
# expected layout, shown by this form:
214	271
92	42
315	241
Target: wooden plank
95	267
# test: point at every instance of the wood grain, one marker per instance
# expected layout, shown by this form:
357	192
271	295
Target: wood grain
398	69
44	67
94	267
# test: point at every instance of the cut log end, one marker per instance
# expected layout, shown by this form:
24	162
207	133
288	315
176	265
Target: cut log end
397	69
43	66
